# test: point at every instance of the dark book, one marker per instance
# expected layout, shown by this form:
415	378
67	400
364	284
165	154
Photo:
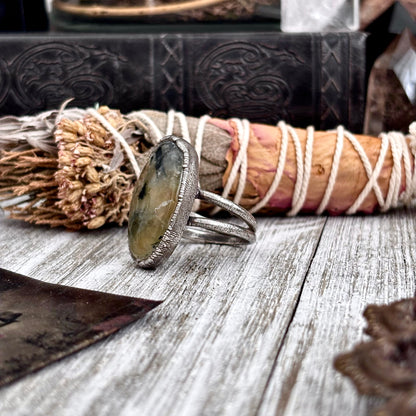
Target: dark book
304	79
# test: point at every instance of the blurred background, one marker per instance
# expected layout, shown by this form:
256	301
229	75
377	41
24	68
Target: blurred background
321	62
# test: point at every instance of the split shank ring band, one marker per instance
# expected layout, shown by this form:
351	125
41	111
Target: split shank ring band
161	207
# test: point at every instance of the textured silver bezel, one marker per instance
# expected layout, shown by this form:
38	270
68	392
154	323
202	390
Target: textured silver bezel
188	189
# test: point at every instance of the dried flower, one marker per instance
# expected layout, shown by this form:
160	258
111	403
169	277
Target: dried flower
96	222
90	158
91	174
67	189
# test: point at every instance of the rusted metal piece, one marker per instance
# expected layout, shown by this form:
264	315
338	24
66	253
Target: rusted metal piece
41	322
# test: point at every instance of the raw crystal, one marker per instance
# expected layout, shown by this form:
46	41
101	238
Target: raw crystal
410	5
319	15
404	66
370	10
391	95
402	17
154	200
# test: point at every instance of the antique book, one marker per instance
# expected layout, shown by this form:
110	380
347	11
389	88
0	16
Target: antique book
302	78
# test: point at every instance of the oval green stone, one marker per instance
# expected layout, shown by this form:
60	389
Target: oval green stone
154	199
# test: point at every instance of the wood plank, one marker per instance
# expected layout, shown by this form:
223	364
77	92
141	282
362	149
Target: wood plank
208	349
360	260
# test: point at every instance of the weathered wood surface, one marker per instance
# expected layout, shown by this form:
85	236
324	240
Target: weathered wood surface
242	331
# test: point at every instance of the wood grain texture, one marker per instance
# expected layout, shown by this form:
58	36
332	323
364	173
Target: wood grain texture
242	331
209	349
360	260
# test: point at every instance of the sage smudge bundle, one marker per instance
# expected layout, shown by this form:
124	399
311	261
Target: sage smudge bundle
69	170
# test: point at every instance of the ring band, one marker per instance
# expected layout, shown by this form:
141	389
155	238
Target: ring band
221	232
161	207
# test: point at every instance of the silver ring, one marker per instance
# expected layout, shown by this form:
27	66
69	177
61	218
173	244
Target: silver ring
161	207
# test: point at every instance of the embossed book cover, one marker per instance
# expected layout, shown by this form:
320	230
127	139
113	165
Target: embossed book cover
303	79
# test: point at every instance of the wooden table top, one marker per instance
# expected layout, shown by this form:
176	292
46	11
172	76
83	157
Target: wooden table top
242	331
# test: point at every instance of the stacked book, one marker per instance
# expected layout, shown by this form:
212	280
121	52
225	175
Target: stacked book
305	78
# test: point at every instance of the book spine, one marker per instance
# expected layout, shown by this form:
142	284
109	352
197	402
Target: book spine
304	79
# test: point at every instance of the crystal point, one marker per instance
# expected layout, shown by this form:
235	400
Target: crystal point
391	96
319	15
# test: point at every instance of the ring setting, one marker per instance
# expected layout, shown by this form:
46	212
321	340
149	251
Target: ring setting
161	207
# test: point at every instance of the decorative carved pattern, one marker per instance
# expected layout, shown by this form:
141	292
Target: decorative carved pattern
332	81
243	79
172	73
300	78
47	74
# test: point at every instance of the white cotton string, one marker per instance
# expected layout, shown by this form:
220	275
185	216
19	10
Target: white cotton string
61	111
279	170
198	149
334	170
200	135
240	163
299	164
372	179
412	146
117	136
170	122
406	196
184	127
399	149
297	203
395	176
244	127
144	118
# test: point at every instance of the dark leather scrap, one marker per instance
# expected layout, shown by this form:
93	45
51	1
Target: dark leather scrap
42	322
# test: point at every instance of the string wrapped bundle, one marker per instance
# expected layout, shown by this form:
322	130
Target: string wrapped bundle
77	167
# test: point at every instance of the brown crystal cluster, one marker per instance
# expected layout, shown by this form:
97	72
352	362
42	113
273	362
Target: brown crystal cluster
386	365
372	9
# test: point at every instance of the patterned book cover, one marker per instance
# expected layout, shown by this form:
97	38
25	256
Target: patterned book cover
303	78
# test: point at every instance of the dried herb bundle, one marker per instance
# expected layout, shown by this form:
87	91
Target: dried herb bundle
71	171
81	177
